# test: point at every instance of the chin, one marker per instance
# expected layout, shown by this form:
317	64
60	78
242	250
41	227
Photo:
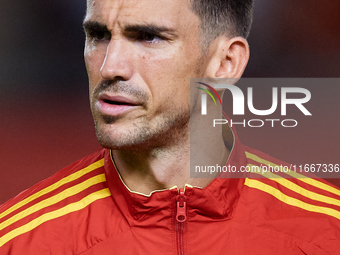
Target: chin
123	140
141	134
138	142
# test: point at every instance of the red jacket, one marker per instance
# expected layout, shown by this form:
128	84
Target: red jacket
86	209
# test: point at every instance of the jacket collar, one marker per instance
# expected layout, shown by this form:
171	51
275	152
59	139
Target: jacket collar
218	200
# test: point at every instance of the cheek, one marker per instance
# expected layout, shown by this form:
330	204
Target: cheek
168	78
175	68
93	62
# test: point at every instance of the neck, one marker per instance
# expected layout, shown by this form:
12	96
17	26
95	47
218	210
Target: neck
166	167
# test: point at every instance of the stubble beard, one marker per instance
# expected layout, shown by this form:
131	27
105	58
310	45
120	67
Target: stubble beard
141	134
168	129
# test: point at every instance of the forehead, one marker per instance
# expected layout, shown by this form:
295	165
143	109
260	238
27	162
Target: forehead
175	13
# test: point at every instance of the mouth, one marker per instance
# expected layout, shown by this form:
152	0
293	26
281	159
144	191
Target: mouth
113	105
106	101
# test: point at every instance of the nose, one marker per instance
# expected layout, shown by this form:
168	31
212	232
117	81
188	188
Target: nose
117	63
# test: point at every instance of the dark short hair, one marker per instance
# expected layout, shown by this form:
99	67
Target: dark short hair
224	17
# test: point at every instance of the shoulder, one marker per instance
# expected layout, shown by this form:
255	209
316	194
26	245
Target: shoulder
284	199
283	180
41	207
66	175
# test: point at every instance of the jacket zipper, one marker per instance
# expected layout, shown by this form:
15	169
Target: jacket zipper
181	217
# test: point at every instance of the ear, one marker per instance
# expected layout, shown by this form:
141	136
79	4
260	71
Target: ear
227	57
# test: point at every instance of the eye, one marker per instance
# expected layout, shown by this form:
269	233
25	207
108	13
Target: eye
149	37
98	35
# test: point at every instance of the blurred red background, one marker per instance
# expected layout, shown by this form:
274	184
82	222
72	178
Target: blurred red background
46	123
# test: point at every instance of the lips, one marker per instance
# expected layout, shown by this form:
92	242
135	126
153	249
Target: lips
114	105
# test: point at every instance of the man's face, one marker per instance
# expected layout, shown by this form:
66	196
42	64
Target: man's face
140	56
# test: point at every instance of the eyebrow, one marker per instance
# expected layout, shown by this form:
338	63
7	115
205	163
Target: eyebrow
147	28
150	29
94	25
